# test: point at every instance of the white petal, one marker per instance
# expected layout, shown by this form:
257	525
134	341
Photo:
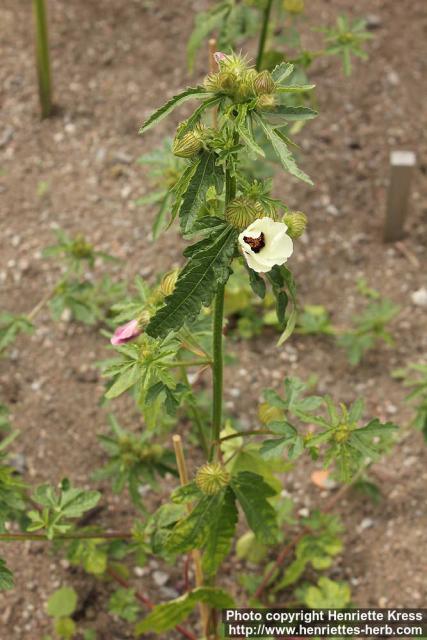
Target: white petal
255	264
280	247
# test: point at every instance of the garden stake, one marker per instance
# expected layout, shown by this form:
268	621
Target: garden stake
402	164
213	68
42	58
198	573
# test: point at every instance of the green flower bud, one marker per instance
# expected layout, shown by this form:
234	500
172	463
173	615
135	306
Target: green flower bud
293	6
211	478
190	143
245	88
81	249
342	434
227	81
296	222
266	101
242	211
264	83
267	413
234	64
143	319
222	82
168	282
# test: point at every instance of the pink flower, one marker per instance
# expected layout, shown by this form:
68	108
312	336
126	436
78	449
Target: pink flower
219	56
126	332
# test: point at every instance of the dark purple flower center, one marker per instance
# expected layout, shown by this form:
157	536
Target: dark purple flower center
256	244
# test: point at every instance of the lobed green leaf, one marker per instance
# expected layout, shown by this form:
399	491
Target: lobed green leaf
197	282
174	102
252	493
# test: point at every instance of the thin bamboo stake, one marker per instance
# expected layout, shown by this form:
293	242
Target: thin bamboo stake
198	572
213	68
42	58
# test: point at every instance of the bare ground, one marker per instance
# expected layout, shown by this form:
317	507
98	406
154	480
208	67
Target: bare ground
112	63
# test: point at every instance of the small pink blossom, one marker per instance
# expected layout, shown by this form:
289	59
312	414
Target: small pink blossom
126	332
219	56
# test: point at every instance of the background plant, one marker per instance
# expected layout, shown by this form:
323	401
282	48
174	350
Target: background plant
76	295
234	22
414	377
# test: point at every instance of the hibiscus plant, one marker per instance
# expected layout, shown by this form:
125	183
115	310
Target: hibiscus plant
236	221
172	336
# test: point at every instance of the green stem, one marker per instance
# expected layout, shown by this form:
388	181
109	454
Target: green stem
218	357
251	432
189	363
42	58
76	535
217	368
263	34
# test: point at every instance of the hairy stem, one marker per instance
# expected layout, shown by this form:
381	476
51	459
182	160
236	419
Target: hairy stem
218	359
217	368
189	363
263	34
42	58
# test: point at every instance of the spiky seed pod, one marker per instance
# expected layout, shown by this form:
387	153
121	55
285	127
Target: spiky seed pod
242	211
168	282
266	101
211	478
296	222
293	6
267	413
264	83
190	143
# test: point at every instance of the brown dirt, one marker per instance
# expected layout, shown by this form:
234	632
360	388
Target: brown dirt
112	63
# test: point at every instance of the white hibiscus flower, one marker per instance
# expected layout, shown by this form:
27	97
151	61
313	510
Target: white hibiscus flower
265	243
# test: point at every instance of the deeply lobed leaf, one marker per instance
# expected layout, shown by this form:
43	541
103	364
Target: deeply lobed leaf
197	283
